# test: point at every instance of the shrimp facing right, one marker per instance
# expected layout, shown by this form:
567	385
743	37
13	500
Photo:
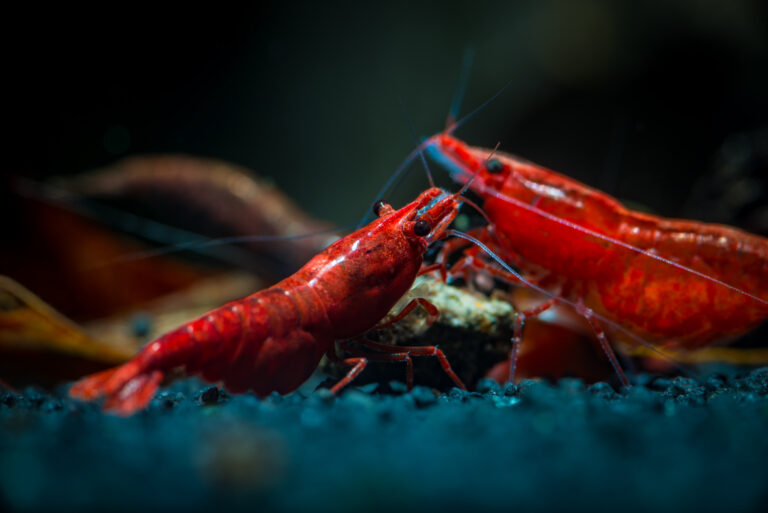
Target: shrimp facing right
274	339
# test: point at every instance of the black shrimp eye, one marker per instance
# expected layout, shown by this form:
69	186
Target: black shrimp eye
378	206
421	228
494	166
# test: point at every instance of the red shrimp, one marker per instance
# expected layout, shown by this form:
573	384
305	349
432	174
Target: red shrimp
671	284
274	339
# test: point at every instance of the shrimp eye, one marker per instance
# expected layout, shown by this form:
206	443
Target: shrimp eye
421	228
378	206
494	166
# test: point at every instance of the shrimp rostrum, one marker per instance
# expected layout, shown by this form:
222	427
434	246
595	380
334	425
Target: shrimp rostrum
274	339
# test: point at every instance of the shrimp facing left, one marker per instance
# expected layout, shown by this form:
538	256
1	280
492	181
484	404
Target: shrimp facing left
656	283
274	339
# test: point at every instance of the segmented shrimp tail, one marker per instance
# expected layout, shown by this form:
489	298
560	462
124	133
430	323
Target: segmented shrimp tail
134	395
91	387
126	388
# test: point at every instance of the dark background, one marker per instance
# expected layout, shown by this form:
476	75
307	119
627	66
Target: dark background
644	101
660	102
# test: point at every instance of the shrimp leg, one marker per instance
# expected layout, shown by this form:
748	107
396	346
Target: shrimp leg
588	314
432	351
431	309
392	354
517	336
469	261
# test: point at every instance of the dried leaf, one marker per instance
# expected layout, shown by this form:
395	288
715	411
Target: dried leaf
28	323
212	198
40	346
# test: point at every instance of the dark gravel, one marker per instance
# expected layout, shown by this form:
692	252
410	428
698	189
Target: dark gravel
664	445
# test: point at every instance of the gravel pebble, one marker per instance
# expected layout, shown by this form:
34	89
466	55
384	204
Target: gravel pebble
698	444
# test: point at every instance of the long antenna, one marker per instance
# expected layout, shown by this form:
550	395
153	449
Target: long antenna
560	299
487	102
400	171
154	230
393	179
458	96
461	88
419	146
630	247
205	242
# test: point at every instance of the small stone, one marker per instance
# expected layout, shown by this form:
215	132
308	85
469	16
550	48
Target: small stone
642	379
659	383
685	390
457	394
572	385
528	385
168	400
33	397
398	387
423	396
511	390
486	385
323	394
294	398
8	400
141	325
501	401
357	398
757	381
602	390
52	405
716	382
641	396
368	388
210	395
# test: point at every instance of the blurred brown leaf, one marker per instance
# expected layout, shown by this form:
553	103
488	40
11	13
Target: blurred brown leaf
212	198
38	344
60	255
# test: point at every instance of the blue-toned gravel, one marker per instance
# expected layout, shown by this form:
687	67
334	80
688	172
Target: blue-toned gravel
664	445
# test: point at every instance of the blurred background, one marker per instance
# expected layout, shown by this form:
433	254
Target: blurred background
641	99
661	103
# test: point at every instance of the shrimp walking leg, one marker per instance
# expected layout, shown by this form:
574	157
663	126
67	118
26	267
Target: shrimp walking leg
517	337
431	309
362	358
357	364
432	351
600	334
437	266
387	353
470	262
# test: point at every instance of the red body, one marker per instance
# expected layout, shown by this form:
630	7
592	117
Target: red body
656	301
274	339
